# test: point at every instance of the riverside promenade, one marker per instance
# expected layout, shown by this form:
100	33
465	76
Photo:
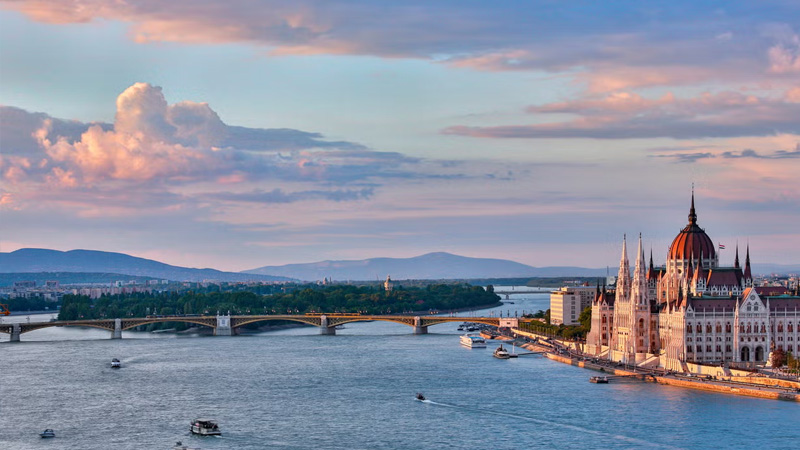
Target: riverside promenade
751	386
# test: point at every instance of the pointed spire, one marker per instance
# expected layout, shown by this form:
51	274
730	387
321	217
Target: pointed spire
692	214
747	272
624	275
736	261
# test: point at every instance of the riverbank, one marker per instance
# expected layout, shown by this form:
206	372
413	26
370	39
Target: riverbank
756	386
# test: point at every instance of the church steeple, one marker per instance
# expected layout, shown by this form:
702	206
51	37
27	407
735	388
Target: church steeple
736	261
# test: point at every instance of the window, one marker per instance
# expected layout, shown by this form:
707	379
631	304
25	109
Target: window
708	348
728	327
727	348
688	327
789	327
719	327
699	349
780	327
708	328
719	348
688	349
699	328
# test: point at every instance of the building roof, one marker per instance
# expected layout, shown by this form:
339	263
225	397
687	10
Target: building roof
692	241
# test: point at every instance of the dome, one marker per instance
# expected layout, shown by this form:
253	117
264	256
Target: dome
692	241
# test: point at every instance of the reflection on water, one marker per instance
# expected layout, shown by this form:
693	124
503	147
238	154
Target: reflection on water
295	389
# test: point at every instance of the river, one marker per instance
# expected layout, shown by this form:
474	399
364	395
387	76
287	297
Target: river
296	389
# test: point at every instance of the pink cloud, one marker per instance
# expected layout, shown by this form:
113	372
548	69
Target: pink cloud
627	115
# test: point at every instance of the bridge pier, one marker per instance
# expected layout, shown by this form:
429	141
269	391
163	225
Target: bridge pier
223	327
117	333
15	332
418	328
324	329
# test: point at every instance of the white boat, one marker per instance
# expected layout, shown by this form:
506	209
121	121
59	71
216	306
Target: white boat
205	427
115	364
501	353
179	446
473	341
48	433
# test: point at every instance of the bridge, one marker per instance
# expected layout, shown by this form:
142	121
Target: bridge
227	325
531	290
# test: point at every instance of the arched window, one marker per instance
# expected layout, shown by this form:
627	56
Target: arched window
728	348
641	327
688	327
699	349
780	327
728	327
604	319
759	353
745	354
763	329
708	327
699	328
719	348
789	327
749	328
708	348
688	349
719	327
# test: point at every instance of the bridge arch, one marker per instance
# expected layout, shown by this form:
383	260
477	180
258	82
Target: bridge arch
129	324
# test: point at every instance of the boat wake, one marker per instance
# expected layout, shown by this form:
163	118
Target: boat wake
632	440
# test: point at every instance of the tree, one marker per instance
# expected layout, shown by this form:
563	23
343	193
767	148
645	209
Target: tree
778	358
586	319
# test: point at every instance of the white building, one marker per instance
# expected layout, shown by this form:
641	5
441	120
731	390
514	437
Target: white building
567	303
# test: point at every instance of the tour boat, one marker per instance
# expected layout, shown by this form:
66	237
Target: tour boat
48	433
420	397
115	364
472	341
599	380
205	427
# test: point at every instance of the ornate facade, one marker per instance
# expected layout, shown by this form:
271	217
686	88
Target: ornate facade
691	309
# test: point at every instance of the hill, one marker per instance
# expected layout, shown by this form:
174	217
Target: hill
43	260
432	266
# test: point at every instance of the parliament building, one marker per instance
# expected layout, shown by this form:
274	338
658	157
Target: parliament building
692	310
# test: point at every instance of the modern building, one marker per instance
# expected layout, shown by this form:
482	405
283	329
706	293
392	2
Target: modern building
567	303
692	310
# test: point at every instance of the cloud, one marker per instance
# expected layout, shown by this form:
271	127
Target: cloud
627	115
281	196
690	157
153	141
608	48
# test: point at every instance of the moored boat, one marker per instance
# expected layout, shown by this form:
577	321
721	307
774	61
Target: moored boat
599	380
115	364
205	427
501	353
473	341
48	433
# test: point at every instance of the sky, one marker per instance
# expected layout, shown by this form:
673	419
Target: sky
245	133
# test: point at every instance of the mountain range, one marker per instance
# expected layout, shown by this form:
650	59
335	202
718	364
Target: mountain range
431	266
35	260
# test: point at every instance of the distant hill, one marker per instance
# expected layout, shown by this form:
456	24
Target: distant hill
43	260
8	279
432	266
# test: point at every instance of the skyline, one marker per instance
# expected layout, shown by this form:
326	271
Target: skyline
242	134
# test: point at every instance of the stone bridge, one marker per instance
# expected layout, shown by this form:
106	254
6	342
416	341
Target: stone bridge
226	325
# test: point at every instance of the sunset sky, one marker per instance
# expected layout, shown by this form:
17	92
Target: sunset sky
241	133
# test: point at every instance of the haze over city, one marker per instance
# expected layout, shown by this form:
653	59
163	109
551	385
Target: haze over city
240	134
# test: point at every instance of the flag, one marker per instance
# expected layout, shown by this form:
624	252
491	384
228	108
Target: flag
721	247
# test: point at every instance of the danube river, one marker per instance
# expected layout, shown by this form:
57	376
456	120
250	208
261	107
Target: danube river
295	389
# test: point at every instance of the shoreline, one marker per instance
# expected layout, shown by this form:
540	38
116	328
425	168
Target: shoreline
777	389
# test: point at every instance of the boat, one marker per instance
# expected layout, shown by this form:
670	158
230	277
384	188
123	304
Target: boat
501	353
420	397
48	433
205	427
599	380
115	364
180	446
473	341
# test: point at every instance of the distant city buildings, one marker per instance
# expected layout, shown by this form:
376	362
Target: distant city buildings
693	310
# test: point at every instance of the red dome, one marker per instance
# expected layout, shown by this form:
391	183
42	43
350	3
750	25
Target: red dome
692	242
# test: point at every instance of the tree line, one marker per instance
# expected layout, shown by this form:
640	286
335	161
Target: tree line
295	300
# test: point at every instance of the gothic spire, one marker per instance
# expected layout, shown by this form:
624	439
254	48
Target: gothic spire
692	214
736	261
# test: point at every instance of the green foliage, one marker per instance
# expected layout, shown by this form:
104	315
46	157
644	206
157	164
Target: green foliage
296	299
29	304
572	332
